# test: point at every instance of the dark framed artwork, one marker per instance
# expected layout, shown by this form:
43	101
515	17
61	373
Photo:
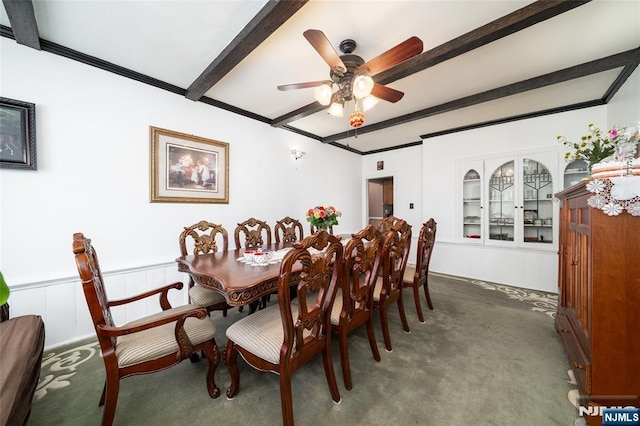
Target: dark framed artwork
17	134
187	168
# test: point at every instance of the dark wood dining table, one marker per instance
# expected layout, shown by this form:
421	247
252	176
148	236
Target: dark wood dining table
239	282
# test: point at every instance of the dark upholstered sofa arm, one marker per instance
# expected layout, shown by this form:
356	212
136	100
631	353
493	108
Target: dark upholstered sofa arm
21	346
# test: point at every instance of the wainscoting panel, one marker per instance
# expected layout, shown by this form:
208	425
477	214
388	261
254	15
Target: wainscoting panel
63	308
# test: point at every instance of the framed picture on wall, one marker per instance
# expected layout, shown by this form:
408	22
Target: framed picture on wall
17	134
187	168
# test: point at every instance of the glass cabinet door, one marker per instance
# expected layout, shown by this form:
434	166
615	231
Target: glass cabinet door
537	207
471	205
502	202
575	172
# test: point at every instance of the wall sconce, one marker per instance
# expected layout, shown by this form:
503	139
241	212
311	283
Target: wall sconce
297	154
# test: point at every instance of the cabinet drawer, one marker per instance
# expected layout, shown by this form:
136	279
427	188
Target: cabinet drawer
579	361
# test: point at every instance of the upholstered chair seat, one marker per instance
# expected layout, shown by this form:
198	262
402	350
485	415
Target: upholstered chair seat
154	343
262	333
205	297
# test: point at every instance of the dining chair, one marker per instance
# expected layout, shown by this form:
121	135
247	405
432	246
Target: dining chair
288	230
256	233
388	288
387	223
420	278
146	345
203	238
353	306
283	337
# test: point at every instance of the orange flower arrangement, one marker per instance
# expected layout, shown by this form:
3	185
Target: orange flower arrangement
323	217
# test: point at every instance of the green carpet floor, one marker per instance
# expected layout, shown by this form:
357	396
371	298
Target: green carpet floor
487	355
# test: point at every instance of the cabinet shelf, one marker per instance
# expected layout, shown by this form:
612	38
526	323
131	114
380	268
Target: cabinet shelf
513	197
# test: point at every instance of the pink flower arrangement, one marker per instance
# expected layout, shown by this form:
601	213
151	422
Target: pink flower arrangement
323	216
598	145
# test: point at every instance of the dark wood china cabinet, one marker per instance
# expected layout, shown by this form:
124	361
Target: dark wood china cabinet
598	315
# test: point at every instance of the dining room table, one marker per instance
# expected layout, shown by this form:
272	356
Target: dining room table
239	280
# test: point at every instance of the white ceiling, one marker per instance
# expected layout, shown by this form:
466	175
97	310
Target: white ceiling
175	41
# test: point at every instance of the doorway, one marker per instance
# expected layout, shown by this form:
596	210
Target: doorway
380	195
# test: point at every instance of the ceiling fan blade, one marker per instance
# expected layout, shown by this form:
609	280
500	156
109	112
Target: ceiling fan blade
405	50
304	85
386	93
320	42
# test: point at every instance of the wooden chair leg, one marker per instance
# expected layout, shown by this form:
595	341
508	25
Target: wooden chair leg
372	339
111	400
213	357
403	316
426	293
384	323
416	298
344	359
231	359
286	398
104	392
328	371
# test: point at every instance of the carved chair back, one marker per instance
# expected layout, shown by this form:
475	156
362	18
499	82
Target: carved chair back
316	284
361	262
204	237
387	223
288	230
426	240
256	233
395	253
93	287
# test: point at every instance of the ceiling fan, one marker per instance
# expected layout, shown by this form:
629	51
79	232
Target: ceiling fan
352	76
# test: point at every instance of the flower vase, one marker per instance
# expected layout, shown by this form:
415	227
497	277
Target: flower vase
588	173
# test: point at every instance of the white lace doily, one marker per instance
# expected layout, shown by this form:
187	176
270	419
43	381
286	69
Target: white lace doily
615	195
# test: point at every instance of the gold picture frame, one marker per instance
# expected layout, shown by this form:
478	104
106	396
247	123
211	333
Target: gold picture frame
187	168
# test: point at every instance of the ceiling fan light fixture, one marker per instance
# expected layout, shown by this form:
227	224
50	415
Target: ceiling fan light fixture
369	102
337	106
362	86
323	94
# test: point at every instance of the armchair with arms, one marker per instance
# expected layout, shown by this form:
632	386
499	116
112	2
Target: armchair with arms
146	345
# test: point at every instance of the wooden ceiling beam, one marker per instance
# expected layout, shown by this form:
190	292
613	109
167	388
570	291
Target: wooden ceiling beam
23	22
270	18
629	60
520	19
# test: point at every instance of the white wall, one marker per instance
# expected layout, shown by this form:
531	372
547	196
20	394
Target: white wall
405	166
93	177
624	108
